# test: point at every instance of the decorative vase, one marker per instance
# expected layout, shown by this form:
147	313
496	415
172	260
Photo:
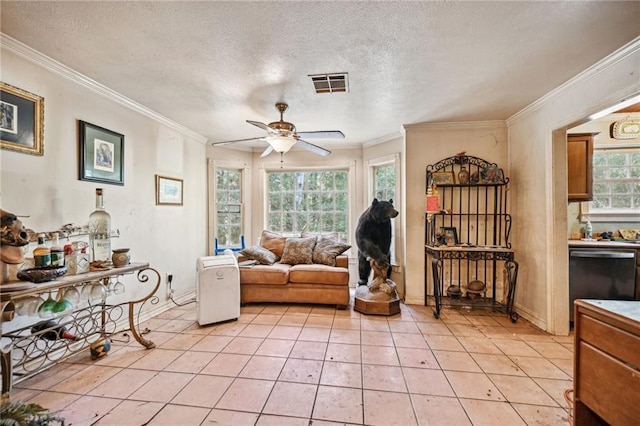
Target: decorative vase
120	257
463	175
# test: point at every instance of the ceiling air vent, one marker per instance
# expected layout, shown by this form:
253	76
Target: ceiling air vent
330	83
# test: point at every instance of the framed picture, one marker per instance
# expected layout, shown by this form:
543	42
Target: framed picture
491	174
21	120
101	154
450	236
443	178
168	191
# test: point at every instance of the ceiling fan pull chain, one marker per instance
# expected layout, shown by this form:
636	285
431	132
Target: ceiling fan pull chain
281	159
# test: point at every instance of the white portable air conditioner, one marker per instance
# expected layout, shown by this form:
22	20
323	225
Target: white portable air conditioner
218	289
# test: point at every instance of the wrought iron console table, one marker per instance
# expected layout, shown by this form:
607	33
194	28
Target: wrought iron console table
24	352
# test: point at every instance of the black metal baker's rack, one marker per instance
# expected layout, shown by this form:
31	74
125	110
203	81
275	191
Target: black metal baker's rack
472	206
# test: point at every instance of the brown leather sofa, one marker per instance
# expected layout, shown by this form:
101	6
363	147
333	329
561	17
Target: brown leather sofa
295	283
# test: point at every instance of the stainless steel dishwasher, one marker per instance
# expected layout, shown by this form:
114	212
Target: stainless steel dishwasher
600	273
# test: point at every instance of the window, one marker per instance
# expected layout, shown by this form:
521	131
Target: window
384	182
616	184
228	207
308	201
383	186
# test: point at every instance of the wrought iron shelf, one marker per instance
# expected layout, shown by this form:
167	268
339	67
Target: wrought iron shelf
476	213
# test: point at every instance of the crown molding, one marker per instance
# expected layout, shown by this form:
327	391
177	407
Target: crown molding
457	125
383	139
14	46
597	68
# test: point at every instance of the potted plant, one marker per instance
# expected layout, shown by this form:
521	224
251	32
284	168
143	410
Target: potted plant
19	413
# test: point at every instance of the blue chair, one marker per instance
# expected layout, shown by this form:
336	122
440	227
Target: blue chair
218	250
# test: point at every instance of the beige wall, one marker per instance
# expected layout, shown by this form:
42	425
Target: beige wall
537	155
48	190
426	144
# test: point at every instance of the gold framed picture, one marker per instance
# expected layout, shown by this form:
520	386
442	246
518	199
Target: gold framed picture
21	120
168	191
443	178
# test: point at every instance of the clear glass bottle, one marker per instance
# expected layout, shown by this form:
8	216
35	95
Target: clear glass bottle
42	253
100	230
57	253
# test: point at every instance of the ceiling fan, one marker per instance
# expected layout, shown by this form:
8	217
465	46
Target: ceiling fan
282	136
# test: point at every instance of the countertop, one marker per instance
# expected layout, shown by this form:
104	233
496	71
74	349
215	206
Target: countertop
605	244
629	309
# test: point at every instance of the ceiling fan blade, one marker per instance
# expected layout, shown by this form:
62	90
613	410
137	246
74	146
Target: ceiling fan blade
236	140
313	148
261	125
326	134
267	151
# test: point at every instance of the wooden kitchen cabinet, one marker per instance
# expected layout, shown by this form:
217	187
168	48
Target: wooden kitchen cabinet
580	166
607	362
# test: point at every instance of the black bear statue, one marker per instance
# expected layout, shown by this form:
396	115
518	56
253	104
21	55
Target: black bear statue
373	237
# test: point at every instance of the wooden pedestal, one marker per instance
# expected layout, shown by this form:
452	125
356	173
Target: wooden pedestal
376	303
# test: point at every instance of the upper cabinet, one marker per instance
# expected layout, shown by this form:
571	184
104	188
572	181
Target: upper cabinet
580	166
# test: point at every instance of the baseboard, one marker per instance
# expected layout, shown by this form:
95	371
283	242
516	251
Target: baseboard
530	316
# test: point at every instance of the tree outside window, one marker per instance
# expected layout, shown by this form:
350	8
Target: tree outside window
308	201
384	182
384	188
616	180
228	207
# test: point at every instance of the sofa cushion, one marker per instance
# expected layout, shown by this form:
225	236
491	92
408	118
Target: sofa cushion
318	274
260	254
277	274
298	250
327	249
273	242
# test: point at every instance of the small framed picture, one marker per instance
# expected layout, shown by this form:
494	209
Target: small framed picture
21	120
101	154
168	191
450	236
443	178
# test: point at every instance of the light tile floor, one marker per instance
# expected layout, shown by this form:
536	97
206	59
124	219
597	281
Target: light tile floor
301	365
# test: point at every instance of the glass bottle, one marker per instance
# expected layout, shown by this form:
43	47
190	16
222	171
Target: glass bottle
463	175
100	230
54	331
57	253
42	253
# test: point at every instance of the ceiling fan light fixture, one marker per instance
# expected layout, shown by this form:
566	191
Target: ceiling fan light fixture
281	144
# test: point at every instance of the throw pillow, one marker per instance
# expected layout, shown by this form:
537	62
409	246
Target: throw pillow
298	251
273	242
327	249
260	254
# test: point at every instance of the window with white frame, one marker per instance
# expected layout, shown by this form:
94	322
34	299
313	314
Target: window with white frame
314	201
383	183
616	183
228	206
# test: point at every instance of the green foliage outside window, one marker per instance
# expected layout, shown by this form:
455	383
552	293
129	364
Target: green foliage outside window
385	182
310	201
616	182
228	207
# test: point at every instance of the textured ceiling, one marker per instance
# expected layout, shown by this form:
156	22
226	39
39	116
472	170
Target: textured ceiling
211	65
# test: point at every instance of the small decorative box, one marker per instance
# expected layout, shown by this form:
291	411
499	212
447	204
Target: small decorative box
77	263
